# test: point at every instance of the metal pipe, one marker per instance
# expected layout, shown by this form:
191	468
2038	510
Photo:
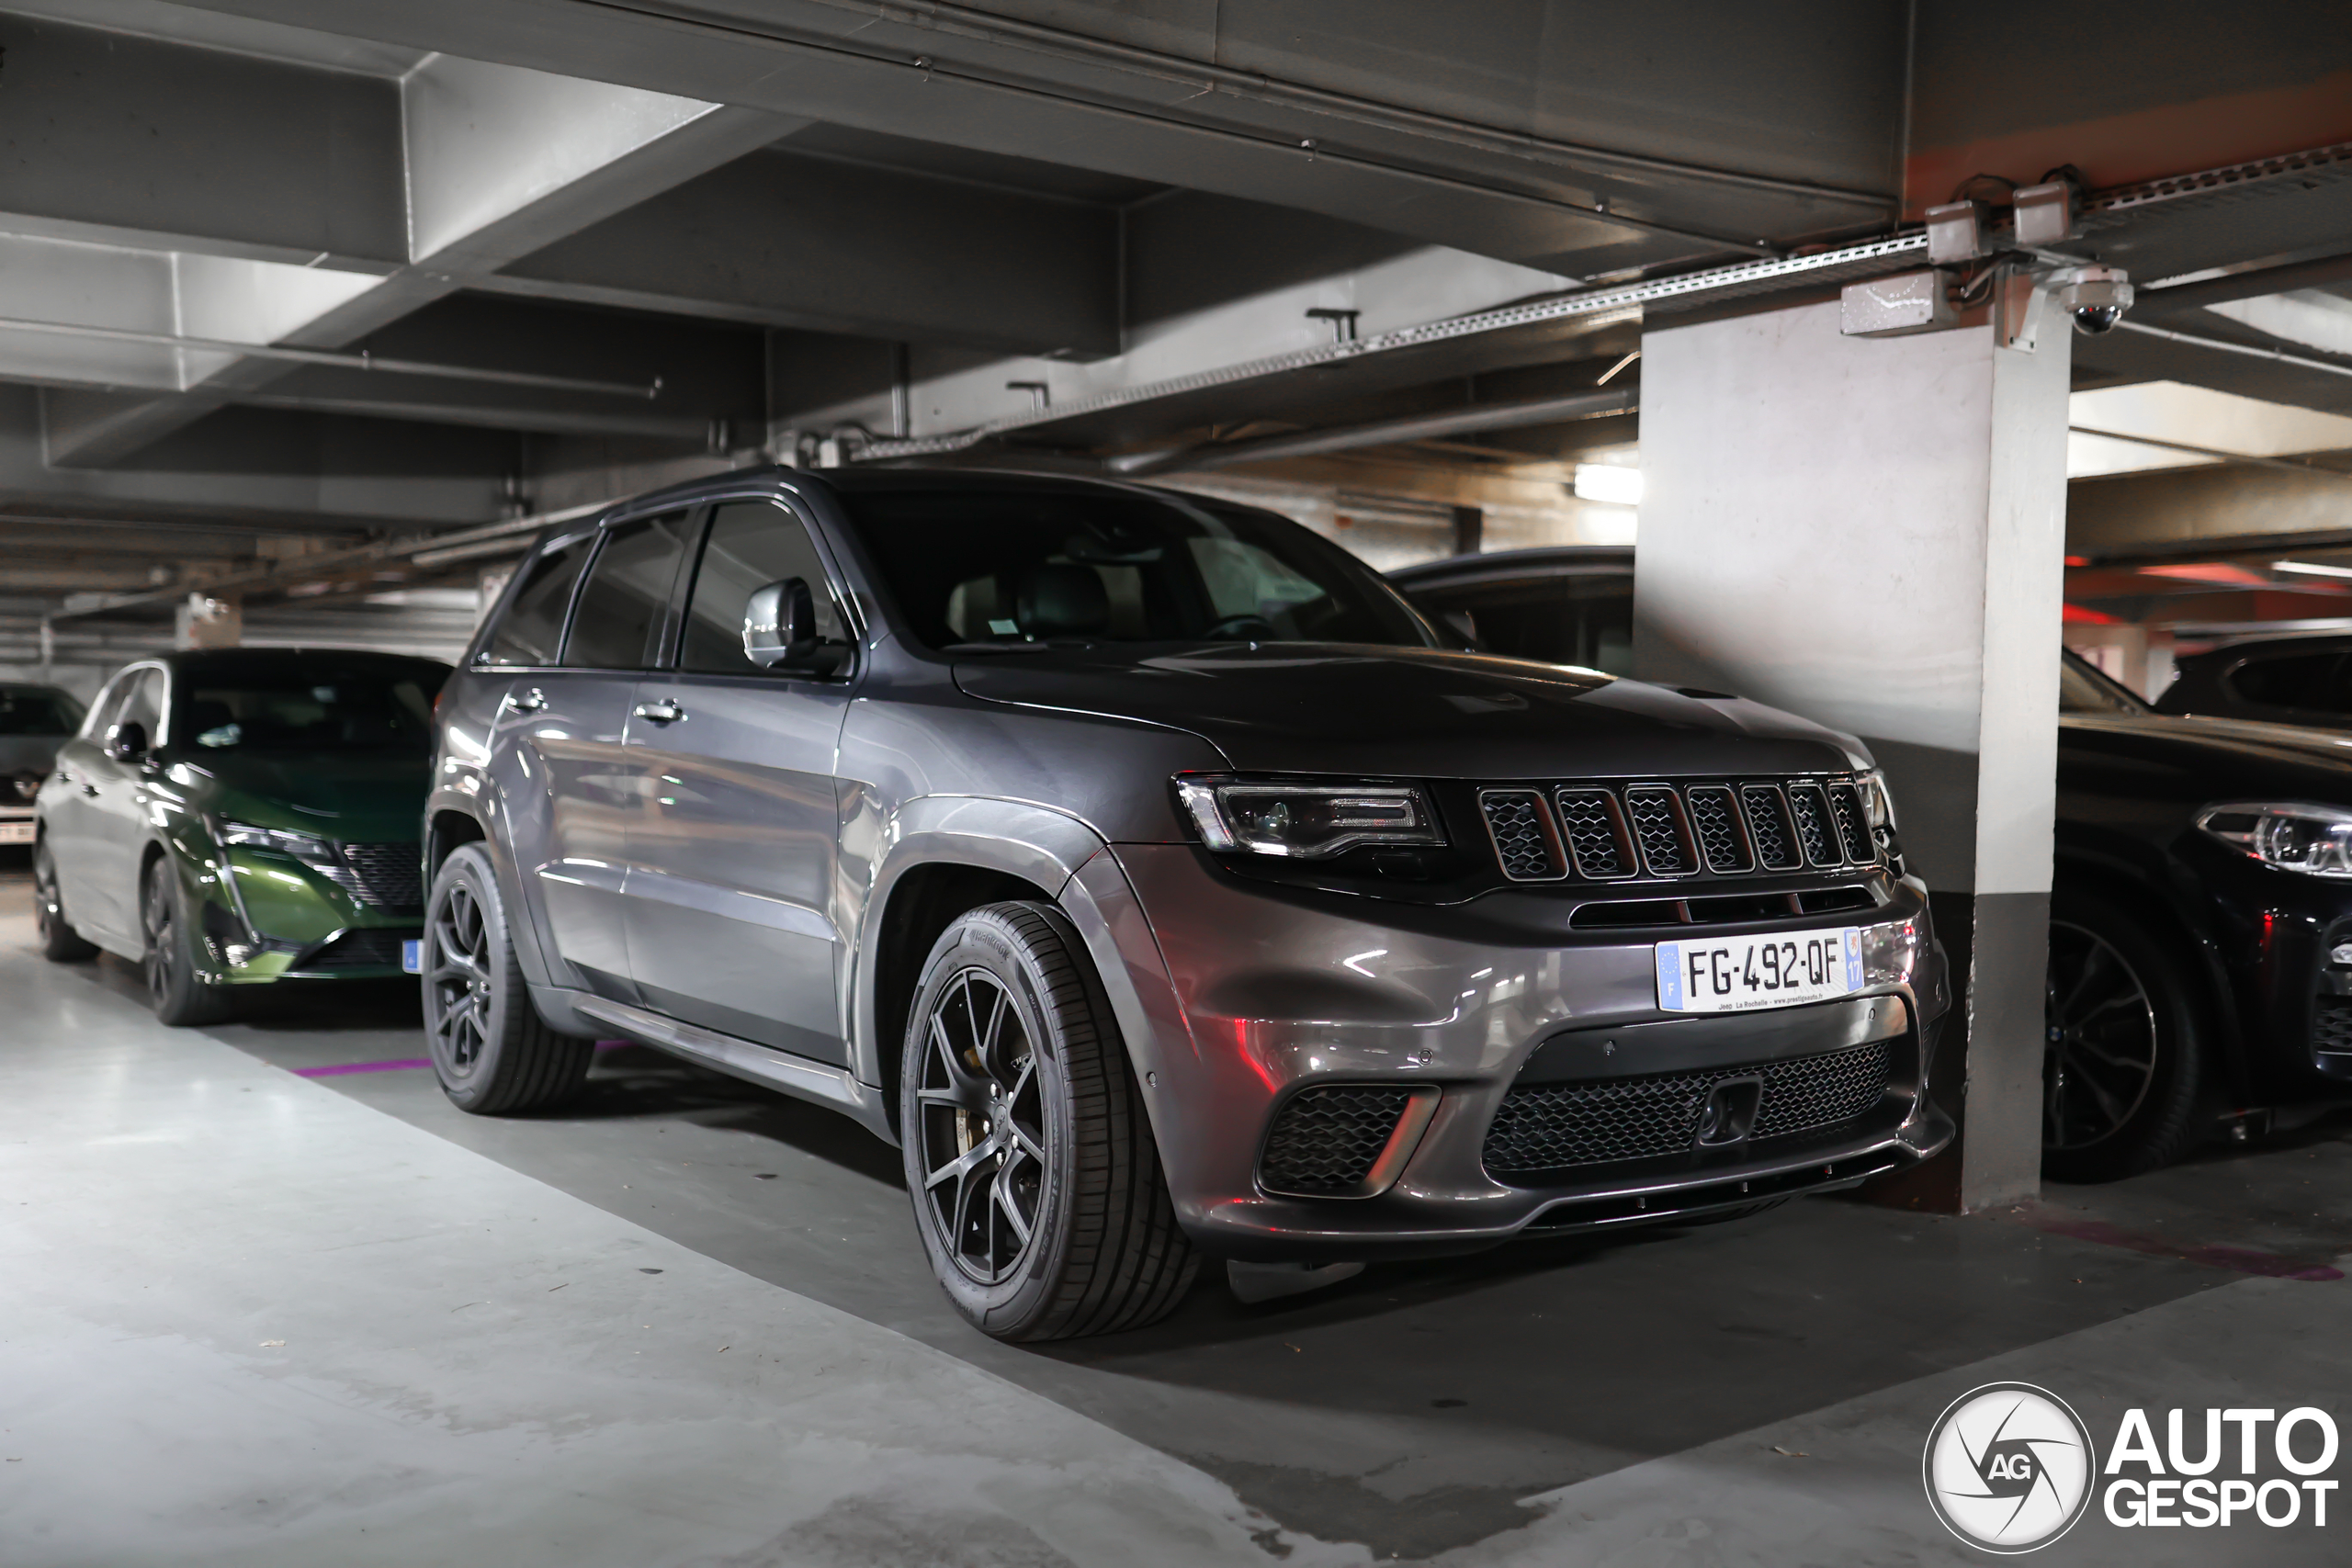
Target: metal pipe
2224	346
1309	148
1381	431
361	361
2291	464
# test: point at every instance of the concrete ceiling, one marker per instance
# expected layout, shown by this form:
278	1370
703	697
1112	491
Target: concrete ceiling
513	257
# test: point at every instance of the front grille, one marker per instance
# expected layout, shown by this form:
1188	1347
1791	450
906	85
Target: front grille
1611	833
373	949
390	877
1523	836
1656	816
1594	826
2331	1025
1326	1140
1549	1127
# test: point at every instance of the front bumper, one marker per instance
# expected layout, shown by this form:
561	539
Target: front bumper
281	920
1284	991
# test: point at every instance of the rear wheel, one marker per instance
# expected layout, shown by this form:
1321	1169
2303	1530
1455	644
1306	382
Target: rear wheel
175	987
1037	1187
2122	1063
492	1052
59	942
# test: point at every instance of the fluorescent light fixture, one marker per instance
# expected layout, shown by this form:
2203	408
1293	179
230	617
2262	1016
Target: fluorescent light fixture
1606	481
2311	568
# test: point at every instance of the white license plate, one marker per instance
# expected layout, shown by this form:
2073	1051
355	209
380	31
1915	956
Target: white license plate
1742	973
16	832
413	956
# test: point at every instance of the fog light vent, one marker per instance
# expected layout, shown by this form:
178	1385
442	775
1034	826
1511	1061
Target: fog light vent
1326	1141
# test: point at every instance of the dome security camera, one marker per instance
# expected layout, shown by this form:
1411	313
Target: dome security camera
2096	296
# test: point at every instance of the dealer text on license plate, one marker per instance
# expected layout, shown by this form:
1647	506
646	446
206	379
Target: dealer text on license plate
1742	974
16	832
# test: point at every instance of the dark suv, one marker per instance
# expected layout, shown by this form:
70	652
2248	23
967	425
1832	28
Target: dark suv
1144	867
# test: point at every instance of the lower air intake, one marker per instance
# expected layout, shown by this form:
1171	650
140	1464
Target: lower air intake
1555	1126
1326	1140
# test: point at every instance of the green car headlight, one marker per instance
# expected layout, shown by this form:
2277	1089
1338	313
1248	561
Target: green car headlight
301	846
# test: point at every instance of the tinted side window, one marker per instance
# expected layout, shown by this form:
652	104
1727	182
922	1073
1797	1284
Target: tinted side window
2304	681
532	629
1585	620
624	607
752	544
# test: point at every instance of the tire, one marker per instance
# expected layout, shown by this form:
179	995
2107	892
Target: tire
1017	1102
59	942
180	999
2123	1058
492	1052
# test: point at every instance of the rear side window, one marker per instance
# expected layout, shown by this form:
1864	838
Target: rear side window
752	544
624	606
532	630
2311	680
36	713
1585	620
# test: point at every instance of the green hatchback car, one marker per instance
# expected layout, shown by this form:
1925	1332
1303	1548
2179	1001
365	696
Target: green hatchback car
239	817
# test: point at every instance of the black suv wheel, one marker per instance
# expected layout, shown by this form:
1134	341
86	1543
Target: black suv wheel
59	942
2123	1062
492	1052
1037	1185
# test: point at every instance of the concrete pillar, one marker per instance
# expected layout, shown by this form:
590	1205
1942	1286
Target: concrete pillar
1870	533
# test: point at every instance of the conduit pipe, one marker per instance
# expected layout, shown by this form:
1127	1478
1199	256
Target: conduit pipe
1511	415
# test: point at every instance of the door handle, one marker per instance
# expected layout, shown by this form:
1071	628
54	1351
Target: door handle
531	701
662	711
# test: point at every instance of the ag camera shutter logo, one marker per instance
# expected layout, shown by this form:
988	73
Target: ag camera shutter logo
2010	1467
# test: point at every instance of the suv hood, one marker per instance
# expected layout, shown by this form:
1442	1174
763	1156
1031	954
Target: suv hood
2219	759
1397	712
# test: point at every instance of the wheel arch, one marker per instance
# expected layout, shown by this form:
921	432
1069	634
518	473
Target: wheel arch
2148	894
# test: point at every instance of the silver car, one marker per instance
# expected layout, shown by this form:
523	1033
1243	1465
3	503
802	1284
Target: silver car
34	722
1147	871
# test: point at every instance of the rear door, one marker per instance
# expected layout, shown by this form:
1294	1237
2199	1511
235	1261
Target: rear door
556	744
732	918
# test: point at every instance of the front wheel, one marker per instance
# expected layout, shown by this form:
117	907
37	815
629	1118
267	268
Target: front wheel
1037	1187
59	942
176	988
2122	1059
491	1049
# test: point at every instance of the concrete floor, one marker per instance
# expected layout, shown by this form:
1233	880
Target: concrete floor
687	1322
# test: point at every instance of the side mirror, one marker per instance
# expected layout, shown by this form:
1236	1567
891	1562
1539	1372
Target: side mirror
127	741
780	624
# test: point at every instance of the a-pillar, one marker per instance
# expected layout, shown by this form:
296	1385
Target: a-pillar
1870	533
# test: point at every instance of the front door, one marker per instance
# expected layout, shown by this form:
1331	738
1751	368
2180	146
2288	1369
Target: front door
69	818
115	799
570	784
733	914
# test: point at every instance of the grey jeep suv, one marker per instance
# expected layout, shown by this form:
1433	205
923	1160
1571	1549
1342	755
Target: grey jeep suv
1146	870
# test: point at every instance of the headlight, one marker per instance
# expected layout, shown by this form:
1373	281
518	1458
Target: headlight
1310	822
1878	804
301	846
2314	839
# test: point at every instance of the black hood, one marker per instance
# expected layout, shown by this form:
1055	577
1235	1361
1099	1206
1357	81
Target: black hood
1317	708
2204	759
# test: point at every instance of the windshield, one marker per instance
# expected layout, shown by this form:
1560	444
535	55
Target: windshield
1003	566
313	710
24	712
2083	687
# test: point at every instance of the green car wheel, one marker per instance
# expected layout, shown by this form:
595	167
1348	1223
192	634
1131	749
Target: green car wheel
173	990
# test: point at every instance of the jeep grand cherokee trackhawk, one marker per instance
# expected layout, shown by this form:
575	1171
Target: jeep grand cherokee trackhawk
1142	866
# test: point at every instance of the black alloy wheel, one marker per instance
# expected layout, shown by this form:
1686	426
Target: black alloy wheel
2120	1058
59	942
491	1051
1037	1185
178	993
983	1134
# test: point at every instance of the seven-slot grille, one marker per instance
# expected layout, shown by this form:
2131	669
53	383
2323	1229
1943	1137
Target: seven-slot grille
1554	1126
1594	833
